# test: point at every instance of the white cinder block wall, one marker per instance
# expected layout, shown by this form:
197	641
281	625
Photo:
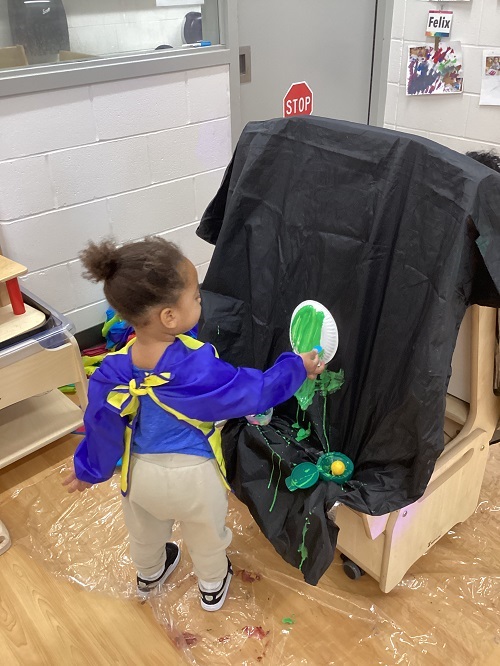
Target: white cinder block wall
112	26
456	121
127	158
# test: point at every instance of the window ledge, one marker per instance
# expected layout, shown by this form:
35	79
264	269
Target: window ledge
78	73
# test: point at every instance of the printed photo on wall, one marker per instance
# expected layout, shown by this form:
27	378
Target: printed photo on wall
490	83
435	72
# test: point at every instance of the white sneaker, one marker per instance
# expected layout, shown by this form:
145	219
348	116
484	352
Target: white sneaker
213	600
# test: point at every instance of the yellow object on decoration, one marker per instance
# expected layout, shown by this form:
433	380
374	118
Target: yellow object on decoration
337	468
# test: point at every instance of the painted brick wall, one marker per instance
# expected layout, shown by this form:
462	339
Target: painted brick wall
456	121
127	158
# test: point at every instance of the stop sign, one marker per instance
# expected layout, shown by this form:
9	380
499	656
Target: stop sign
298	101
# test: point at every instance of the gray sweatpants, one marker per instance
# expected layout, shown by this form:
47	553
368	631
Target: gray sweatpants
165	488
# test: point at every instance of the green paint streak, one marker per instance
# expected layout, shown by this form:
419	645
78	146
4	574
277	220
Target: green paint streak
324	427
326	383
280	460
275	492
306	329
272	470
330	382
302	549
306	392
303	434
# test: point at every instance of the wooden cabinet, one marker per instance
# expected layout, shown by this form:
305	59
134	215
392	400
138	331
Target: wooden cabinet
386	546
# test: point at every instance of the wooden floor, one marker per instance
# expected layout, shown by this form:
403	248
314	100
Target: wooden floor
446	611
45	620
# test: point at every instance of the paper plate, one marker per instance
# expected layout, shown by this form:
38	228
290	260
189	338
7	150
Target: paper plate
329	332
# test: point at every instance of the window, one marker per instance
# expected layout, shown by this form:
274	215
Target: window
36	32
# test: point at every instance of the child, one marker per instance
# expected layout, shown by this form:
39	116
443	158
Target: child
155	402
488	158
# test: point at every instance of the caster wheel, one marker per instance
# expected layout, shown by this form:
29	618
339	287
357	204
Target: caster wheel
351	569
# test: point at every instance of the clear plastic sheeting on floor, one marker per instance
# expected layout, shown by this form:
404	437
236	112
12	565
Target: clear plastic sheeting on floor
447	609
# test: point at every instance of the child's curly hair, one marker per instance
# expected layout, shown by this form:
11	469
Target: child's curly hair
137	276
488	158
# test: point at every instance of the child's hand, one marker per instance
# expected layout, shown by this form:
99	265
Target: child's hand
75	484
313	364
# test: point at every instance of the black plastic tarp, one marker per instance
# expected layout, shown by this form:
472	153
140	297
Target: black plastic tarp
396	236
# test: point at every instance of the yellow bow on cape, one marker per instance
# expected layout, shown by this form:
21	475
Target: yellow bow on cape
126	397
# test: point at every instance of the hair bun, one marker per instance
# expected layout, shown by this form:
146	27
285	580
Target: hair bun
100	260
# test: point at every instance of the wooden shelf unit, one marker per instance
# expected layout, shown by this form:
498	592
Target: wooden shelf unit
33	423
33	412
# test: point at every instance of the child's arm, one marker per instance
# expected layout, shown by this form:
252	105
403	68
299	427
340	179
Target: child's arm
227	392
97	454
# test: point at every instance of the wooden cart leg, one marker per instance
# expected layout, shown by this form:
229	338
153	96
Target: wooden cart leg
81	384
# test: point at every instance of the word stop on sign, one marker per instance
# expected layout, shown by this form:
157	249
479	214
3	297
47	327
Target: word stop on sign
298	101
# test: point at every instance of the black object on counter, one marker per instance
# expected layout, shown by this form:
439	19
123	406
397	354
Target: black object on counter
41	27
193	30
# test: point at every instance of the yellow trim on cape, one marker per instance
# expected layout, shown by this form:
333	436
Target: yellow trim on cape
123	393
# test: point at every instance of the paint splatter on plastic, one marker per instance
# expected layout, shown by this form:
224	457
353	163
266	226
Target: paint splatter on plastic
249	577
288	620
255	632
191	639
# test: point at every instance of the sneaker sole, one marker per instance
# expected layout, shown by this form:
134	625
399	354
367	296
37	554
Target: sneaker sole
215	607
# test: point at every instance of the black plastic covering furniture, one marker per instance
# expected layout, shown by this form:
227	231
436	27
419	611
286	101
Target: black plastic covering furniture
396	235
